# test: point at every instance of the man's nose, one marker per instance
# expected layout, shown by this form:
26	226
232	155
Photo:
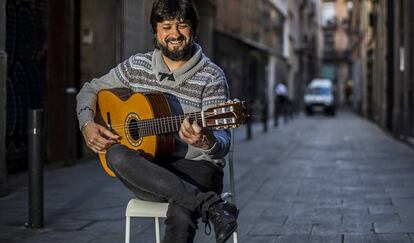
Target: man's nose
176	32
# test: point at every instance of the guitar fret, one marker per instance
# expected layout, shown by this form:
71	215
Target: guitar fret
162	125
151	126
171	125
175	124
146	128
164	130
148	125
157	128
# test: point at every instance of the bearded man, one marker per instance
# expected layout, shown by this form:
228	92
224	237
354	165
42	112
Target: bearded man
191	179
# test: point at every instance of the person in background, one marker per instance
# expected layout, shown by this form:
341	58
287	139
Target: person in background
282	102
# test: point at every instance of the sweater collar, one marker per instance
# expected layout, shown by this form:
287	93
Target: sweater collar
178	76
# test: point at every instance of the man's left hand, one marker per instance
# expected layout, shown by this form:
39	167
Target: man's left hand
195	135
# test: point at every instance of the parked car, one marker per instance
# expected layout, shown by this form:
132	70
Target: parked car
319	95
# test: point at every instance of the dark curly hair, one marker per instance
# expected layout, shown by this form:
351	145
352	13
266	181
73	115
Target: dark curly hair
174	9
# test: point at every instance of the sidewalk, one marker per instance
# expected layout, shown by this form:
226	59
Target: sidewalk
317	179
81	204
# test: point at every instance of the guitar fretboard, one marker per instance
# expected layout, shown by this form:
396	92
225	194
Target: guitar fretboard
162	125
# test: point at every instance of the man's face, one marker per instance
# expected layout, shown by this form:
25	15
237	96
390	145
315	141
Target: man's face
174	38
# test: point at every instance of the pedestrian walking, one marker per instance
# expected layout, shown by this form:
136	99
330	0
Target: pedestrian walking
282	103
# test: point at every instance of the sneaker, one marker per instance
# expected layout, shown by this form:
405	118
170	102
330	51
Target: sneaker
223	215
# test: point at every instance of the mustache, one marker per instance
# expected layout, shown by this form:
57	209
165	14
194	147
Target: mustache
179	38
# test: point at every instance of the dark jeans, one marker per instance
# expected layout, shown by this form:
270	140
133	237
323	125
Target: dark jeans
189	186
283	106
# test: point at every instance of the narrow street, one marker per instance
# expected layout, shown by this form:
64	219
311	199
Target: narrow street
315	179
343	177
323	179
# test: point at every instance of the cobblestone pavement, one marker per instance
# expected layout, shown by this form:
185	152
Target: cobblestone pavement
315	179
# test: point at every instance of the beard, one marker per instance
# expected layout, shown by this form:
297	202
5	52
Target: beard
183	53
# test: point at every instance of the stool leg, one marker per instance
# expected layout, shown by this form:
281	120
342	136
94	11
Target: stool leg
157	230
234	237
127	229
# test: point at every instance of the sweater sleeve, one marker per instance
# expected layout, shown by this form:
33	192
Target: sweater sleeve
216	93
87	96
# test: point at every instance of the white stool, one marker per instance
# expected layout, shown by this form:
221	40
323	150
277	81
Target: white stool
140	208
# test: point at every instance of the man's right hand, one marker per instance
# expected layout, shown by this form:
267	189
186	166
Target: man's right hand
98	138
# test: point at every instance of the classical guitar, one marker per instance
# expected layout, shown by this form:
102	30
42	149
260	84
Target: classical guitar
145	123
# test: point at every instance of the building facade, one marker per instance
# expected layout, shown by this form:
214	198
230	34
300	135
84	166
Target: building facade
261	43
336	64
249	46
384	61
305	46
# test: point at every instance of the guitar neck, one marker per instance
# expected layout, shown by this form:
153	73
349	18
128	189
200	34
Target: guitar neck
163	125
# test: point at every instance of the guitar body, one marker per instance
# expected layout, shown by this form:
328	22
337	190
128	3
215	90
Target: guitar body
119	110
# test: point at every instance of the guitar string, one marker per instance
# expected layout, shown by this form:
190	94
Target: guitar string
166	120
151	130
156	127
132	93
162	120
174	119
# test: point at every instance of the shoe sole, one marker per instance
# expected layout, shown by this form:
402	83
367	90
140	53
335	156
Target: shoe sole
232	230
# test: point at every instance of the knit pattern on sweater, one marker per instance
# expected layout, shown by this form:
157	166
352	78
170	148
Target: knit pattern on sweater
206	87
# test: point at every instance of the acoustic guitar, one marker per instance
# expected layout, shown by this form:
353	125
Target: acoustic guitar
145	123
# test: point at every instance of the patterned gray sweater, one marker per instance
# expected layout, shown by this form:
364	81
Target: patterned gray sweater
198	84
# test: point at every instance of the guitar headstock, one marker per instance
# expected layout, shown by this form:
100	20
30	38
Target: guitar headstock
230	114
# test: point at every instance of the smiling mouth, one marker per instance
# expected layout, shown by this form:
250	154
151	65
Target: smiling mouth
175	43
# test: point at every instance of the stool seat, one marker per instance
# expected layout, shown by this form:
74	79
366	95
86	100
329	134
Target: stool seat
140	208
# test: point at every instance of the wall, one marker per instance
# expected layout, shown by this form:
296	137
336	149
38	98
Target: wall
3	76
136	30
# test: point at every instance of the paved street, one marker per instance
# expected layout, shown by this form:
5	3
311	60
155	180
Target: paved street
317	179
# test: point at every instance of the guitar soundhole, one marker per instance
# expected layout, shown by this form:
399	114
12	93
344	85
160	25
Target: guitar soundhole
133	129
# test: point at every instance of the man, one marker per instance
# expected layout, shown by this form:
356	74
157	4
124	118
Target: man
192	180
282	100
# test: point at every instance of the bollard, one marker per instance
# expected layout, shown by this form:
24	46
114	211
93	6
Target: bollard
35	160
249	131
264	115
249	122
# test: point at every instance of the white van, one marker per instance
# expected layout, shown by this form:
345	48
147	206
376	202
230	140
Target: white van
319	95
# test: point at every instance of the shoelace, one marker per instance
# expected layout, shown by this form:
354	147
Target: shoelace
207	226
204	218
205	214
